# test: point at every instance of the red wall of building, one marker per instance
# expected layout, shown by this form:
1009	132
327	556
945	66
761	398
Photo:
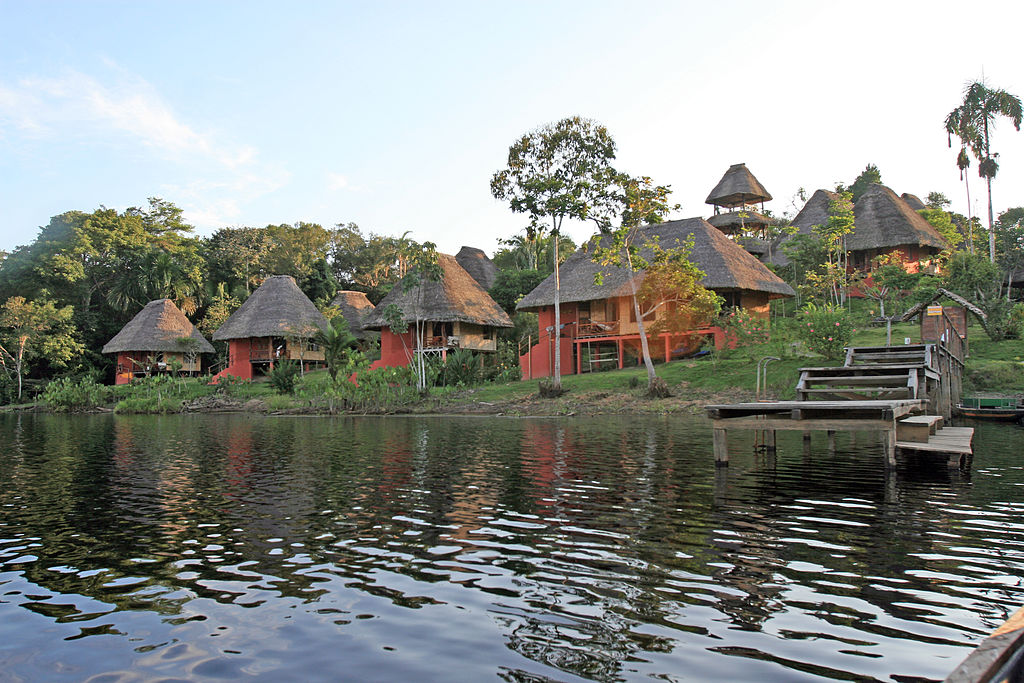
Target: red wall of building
395	349
122	362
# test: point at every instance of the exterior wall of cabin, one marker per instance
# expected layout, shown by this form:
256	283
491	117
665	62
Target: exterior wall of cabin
614	321
243	353
396	350
135	363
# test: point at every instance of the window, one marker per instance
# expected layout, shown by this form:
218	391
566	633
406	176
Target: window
611	310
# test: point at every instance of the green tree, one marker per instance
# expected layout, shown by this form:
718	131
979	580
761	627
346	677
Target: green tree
337	342
562	170
868	177
643	203
978	280
511	285
420	265
833	233
236	255
973	122
30	329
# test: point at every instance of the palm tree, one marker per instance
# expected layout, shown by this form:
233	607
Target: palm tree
973	122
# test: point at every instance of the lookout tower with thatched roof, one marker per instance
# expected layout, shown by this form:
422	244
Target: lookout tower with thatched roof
599	321
475	262
158	339
454	312
736	199
276	322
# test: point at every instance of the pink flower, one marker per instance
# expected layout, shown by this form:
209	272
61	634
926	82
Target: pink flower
830	338
837	324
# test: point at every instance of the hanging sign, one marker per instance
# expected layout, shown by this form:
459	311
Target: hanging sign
934	310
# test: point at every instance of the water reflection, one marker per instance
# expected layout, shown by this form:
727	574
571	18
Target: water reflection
473	548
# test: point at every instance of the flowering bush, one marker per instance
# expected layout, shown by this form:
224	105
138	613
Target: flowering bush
826	330
744	328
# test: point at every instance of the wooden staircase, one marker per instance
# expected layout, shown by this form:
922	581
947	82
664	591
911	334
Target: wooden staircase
872	373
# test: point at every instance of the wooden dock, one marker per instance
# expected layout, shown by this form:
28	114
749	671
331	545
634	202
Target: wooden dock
884	389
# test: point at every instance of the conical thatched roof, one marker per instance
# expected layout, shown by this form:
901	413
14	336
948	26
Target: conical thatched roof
354	306
883	220
475	262
737	187
276	309
726	265
158	327
913	201
456	297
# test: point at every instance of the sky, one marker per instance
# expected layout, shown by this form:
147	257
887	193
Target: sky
395	115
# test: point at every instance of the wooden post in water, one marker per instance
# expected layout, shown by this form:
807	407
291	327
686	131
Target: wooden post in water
889	445
769	439
831	442
721	446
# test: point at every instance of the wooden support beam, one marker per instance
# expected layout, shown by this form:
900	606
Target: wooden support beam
721	446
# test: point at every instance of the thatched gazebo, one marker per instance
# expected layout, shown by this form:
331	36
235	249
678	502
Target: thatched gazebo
455	313
604	313
739	192
275	322
354	307
883	224
156	339
475	262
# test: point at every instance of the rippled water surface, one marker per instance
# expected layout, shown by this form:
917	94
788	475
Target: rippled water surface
436	549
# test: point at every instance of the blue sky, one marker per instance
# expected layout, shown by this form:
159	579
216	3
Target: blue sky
395	115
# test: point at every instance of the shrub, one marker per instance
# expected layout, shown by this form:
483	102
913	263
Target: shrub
152	404
461	368
283	376
66	394
744	328
825	330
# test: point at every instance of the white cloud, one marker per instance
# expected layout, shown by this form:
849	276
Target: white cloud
125	110
336	181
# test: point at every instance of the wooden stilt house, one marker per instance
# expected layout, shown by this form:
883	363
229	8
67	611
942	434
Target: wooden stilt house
599	324
276	322
158	339
455	312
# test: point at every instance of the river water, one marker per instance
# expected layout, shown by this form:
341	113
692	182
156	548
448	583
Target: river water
469	549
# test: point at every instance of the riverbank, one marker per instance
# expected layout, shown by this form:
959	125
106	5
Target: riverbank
721	377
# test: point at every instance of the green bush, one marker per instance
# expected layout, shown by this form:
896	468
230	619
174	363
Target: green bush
283	376
744	328
151	404
461	368
66	394
825	330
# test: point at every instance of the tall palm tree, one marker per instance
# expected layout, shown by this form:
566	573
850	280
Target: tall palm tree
963	162
973	122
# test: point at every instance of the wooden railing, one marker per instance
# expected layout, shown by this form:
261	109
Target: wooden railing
598	329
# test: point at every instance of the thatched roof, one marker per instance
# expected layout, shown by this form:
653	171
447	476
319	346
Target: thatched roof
726	265
475	262
883	220
913	201
456	297
158	327
738	221
354	306
276	309
737	187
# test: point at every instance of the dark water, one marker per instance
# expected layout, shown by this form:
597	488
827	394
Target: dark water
438	549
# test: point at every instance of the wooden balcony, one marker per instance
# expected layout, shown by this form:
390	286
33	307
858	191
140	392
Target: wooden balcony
596	328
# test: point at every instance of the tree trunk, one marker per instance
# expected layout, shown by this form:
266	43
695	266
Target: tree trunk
991	225
970	221
556	381
644	347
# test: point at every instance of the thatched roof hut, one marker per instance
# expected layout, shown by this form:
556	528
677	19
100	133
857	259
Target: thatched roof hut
456	297
737	187
726	265
883	221
475	262
354	307
913	201
158	327
278	308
